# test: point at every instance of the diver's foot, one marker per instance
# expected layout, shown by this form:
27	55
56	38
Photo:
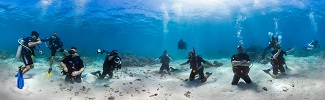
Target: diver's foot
173	69
169	73
208	73
274	76
160	72
233	83
19	70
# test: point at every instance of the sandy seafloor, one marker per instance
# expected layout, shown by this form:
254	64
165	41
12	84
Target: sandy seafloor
304	81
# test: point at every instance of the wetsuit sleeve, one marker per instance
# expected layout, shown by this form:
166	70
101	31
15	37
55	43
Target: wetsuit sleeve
284	52
201	59
65	60
187	62
81	63
45	40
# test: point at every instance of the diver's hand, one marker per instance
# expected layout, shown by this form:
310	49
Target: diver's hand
110	57
243	61
75	73
39	41
65	69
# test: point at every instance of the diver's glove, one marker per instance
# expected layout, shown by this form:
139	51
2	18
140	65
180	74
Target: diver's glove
63	72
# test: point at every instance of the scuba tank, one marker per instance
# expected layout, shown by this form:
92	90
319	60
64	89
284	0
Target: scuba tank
21	42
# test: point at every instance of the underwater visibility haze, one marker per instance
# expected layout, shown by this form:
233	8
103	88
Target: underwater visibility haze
148	27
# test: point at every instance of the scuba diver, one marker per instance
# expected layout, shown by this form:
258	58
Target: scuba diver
72	66
273	41
240	63
313	44
26	51
195	62
112	61
55	45
277	61
164	60
182	45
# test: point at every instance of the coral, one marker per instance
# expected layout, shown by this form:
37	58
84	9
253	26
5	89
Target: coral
4	54
129	59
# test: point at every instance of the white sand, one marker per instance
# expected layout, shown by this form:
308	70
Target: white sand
304	81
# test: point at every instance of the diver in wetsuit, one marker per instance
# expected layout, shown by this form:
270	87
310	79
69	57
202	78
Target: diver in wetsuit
27	50
164	60
112	62
195	62
182	45
55	45
240	63
313	44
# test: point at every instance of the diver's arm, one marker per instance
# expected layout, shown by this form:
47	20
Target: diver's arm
31	44
45	40
169	57
81	70
210	64
277	54
187	62
64	66
241	63
39	51
75	73
158	58
248	63
236	63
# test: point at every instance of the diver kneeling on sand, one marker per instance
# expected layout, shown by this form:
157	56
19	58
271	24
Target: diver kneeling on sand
72	66
240	66
164	60
195	62
277	61
112	61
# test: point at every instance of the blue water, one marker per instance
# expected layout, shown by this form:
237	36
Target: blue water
148	27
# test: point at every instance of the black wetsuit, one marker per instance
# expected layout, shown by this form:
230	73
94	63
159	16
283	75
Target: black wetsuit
109	66
196	66
73	64
240	71
54	45
277	64
27	52
182	45
315	44
164	60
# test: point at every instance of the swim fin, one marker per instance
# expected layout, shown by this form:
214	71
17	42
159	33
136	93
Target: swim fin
20	79
49	73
